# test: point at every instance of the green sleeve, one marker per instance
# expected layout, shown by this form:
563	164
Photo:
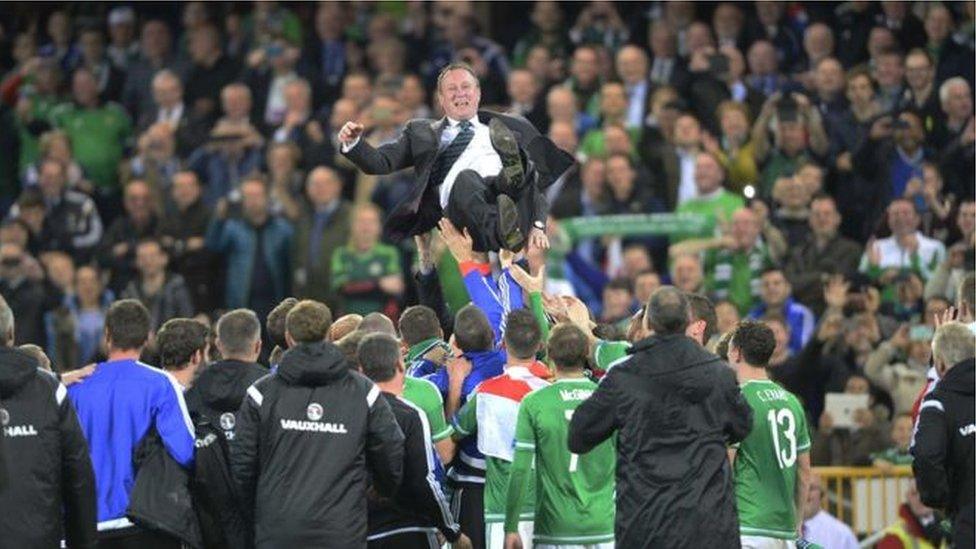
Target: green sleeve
521	467
466	420
535	300
802	432
339	274
434	408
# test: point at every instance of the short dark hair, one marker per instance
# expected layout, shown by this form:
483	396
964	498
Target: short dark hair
755	341
377	323
275	323
522	334
703	309
620	283
472	331
308	321
967	290
378	356
178	340
127	324
419	323
237	331
568	347
667	311
457	65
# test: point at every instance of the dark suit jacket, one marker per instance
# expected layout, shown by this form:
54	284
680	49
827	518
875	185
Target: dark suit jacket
417	147
190	132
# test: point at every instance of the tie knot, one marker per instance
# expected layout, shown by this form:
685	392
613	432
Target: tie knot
464	124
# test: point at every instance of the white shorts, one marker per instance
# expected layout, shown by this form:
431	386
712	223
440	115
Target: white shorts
761	542
495	534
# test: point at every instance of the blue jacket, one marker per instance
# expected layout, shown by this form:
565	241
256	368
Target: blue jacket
800	320
235	238
470	466
116	406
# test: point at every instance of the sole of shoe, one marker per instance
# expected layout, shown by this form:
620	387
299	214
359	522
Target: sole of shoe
511	235
503	140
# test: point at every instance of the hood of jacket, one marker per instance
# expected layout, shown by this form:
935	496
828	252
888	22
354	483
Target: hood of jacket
223	384
313	364
16	369
673	360
960	378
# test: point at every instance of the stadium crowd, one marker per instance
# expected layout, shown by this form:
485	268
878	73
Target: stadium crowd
806	165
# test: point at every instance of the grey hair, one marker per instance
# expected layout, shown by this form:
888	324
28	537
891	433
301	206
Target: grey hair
237	331
948	84
953	343
668	311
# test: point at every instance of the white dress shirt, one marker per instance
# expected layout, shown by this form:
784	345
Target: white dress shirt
479	155
826	531
637	100
687	188
171	115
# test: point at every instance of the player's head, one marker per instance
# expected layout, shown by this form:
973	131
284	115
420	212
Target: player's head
419	323
308	322
568	348
379	357
667	311
523	336
275	323
127	326
704	322
182	343
752	344
472	331
458	91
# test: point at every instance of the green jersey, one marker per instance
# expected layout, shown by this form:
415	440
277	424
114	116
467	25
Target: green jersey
574	493
98	137
424	395
765	462
355	275
608	353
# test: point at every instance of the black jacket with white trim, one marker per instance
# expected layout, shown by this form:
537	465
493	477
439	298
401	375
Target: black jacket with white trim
943	448
419	504
50	489
308	439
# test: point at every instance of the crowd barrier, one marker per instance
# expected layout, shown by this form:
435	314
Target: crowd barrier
864	498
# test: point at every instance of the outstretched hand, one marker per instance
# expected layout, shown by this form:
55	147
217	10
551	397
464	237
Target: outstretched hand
538	239
459	242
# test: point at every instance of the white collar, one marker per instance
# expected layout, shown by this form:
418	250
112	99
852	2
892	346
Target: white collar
452	123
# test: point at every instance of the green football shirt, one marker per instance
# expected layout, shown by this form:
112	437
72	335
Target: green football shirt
424	395
765	462
357	269
608	353
574	502
98	138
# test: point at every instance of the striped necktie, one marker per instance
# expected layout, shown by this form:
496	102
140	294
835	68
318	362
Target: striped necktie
449	156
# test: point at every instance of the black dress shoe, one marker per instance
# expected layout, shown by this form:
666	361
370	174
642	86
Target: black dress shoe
509	234
512	177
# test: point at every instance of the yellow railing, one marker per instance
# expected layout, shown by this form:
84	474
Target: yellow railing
865	498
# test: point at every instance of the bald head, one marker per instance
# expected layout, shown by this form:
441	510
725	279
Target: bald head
667	311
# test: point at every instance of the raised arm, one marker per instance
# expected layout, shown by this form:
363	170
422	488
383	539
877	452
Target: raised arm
386	159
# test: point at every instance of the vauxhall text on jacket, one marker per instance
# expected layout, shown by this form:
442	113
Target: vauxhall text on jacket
50	490
944	444
305	436
117	405
674	407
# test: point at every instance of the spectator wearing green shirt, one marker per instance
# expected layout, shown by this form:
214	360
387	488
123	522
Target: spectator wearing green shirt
98	132
711	199
365	273
733	262
901	439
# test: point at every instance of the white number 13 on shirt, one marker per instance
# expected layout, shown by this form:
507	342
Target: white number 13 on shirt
783	418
